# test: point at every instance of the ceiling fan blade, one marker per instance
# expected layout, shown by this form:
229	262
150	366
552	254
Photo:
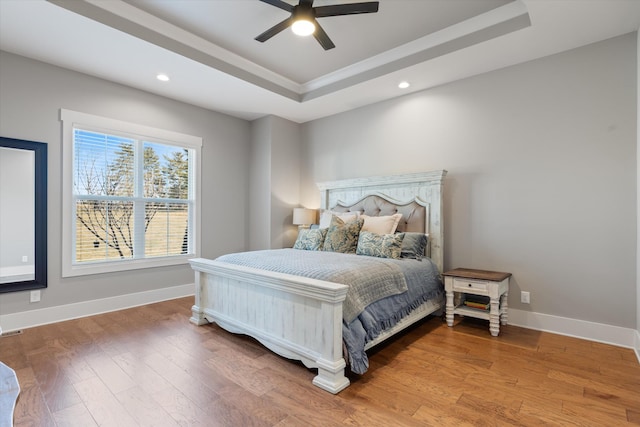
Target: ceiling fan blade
305	3
346	9
279	4
322	37
275	30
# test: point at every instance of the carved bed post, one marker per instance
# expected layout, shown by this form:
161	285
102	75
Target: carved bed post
331	365
197	316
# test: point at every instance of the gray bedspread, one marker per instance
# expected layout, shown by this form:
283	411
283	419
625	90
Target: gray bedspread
369	279
424	284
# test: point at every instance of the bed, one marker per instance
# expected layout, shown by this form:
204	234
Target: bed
301	317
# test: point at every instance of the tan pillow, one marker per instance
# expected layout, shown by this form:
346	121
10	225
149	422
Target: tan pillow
342	236
381	224
325	217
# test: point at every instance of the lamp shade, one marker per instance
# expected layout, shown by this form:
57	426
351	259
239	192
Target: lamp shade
304	216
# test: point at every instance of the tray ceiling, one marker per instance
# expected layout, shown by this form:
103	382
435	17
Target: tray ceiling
208	48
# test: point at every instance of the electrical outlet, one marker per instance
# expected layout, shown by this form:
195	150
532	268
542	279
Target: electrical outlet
525	297
35	296
25	258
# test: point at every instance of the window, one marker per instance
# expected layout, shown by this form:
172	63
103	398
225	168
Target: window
130	195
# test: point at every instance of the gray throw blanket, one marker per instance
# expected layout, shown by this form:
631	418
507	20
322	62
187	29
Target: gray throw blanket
369	279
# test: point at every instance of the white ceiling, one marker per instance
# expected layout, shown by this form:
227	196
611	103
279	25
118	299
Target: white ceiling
207	47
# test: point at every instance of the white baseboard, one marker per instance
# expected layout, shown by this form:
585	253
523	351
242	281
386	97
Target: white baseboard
599	332
44	316
614	335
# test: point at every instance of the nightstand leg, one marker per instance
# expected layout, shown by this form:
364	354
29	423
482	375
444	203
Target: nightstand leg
504	317
494	317
449	308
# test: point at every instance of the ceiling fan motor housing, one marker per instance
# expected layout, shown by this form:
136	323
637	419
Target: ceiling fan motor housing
304	11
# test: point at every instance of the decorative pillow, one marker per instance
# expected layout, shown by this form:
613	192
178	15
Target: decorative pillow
342	236
379	245
325	217
414	245
381	224
310	239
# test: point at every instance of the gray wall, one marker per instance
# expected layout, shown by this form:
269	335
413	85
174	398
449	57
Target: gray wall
541	157
260	188
285	181
275	182
32	94
542	173
638	195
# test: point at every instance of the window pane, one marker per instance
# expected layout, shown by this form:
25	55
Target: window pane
166	171
167	229
104	230
103	164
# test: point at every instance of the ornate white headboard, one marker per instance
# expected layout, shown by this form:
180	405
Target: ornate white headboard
424	188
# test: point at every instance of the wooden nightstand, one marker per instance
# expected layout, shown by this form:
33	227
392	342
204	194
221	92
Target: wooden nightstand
492	284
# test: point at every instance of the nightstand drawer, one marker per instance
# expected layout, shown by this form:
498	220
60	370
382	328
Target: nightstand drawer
466	285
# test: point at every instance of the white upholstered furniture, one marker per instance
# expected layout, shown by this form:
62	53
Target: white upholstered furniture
301	318
9	391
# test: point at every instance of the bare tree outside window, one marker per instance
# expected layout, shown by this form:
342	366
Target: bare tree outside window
115	194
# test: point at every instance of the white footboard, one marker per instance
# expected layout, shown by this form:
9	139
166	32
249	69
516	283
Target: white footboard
296	317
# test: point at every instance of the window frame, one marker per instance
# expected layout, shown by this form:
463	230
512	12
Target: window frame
71	120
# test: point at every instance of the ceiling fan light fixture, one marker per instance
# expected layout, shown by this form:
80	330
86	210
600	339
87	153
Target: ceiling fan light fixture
303	27
303	18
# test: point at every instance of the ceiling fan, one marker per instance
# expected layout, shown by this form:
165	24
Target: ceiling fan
303	18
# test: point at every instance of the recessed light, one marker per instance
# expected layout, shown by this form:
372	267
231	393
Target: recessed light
162	77
404	85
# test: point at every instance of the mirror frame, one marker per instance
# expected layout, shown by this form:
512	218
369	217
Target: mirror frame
40	223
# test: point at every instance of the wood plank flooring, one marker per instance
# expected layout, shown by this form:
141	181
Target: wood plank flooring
148	366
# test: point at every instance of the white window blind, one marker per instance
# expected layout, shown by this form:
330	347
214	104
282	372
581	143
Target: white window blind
133	200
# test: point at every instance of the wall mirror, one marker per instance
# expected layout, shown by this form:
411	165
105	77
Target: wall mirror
23	215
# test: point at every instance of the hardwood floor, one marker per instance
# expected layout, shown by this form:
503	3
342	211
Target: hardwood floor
148	366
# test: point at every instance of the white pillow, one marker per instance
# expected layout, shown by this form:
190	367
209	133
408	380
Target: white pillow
325	217
381	224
